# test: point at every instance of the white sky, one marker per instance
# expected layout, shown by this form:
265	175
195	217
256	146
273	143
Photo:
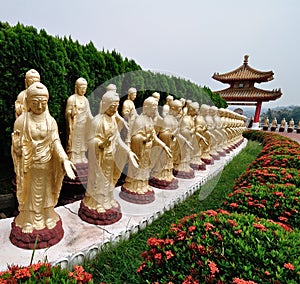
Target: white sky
191	39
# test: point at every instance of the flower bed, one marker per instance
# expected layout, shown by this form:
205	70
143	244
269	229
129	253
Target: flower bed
44	273
279	202
238	247
222	247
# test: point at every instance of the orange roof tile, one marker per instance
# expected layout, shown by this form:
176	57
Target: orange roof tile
249	94
244	72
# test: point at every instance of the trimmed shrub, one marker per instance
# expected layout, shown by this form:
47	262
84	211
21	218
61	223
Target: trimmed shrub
222	247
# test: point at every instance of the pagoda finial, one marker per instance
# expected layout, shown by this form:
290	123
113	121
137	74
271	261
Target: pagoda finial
246	59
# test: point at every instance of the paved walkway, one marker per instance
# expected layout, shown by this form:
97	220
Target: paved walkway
293	135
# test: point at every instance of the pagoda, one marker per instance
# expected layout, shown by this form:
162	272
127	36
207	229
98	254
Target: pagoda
242	90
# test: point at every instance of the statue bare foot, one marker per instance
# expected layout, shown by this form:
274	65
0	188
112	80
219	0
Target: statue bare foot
27	229
50	223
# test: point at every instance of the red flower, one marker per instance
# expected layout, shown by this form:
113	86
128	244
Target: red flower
181	236
233	205
237	232
190	280
201	249
169	254
232	223
222	211
192	228
220	238
208	226
211	213
260	227
23	273
284	226
158	256
141	267
279	193
267	272
213	267
241	281
289	266
284	219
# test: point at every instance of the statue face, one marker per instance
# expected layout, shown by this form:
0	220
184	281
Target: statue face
151	109
38	104
81	89
132	96
112	109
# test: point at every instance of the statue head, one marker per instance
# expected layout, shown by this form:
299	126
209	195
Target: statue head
156	95
193	108
204	109
169	99
150	106
80	86
131	93
183	101
37	98
175	107
31	77
109	103
111	87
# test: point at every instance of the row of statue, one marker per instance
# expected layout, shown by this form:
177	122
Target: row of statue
155	148
282	127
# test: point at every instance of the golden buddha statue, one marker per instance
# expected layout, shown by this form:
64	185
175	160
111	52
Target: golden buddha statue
31	77
78	117
266	124
40	163
166	106
291	125
274	124
162	173
182	167
282	125
105	150
136	188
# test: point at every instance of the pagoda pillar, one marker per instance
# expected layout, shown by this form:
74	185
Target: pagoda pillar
257	115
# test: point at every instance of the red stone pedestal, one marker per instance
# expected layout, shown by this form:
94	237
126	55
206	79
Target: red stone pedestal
108	217
46	237
136	198
222	153
163	184
215	156
197	167
208	161
74	190
184	175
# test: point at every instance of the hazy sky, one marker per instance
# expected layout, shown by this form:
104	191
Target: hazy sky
191	39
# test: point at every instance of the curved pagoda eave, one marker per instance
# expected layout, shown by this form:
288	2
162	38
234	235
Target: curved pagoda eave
244	73
249	95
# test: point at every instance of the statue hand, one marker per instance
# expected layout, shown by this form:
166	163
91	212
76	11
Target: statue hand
69	168
126	125
74	111
189	144
168	151
134	159
16	141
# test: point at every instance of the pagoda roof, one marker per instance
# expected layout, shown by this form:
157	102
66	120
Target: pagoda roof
244	72
249	94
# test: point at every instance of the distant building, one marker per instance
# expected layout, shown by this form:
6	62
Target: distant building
239	111
242	90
